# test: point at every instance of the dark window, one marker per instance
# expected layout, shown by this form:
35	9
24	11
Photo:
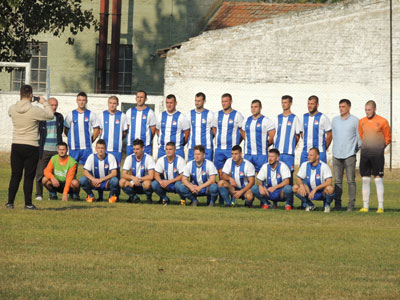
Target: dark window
125	68
38	69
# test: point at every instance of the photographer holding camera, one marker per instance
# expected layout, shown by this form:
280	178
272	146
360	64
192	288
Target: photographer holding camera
25	146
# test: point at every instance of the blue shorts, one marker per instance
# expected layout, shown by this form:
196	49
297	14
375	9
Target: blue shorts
80	155
288	160
147	149
304	157
180	152
102	187
275	196
220	157
209	154
257	160
317	195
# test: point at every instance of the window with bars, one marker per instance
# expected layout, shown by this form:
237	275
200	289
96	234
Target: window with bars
125	68
38	69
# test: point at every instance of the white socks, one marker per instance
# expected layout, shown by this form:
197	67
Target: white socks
379	190
366	191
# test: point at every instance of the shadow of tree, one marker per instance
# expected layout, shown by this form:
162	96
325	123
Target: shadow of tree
79	81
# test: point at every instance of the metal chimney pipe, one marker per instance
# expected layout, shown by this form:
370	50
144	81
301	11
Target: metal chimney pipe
102	53
115	38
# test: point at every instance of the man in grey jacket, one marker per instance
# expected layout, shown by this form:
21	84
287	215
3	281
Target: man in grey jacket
25	143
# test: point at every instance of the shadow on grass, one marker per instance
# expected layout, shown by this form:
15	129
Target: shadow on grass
75	207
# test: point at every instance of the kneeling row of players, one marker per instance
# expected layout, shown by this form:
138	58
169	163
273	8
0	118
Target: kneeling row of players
171	174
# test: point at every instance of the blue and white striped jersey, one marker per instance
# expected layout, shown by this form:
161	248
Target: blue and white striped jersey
112	126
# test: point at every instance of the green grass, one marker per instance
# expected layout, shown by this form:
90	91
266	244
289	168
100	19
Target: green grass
76	250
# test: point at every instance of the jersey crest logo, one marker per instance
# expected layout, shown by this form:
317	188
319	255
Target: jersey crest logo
116	121
203	172
174	123
241	173
278	175
316	122
230	121
317	176
203	121
174	170
289	123
258	124
86	119
144	117
105	166
142	167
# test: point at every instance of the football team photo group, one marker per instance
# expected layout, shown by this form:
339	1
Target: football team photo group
232	160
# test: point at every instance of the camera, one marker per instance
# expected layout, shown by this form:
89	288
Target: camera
35	99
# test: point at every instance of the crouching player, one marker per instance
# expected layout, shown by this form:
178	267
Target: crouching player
314	182
100	173
168	174
59	175
199	178
138	173
273	183
237	179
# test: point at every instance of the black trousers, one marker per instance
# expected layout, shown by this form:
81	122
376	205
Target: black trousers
23	158
42	164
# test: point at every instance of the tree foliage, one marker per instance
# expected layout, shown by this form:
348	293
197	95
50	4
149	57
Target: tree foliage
22	20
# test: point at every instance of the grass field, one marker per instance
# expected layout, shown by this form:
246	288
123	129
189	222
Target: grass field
76	250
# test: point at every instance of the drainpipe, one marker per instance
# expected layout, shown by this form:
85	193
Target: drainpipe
102	54
115	37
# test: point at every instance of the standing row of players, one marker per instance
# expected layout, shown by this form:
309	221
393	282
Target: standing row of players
200	126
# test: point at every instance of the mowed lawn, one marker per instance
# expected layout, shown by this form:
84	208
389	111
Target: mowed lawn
77	250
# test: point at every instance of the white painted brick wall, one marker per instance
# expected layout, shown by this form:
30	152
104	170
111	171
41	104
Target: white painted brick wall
338	51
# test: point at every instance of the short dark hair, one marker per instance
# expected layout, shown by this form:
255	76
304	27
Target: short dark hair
200	148
142	91
237	148
371	102
115	98
202	95
313	97
315	149
170	144
347	101
274	150
171	96
83	94
25	91
62	144
256	101
138	142
101	142
227	95
290	98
